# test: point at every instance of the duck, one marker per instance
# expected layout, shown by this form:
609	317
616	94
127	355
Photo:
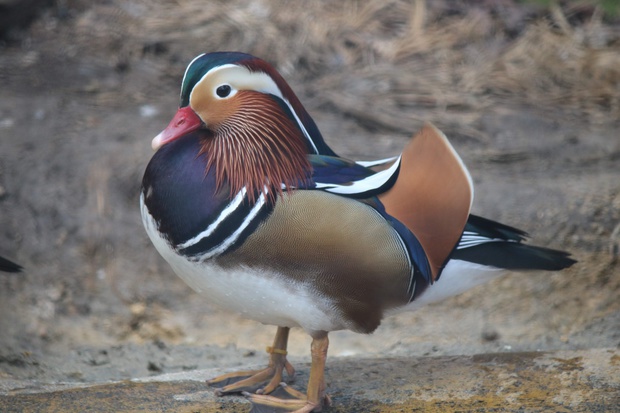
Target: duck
7	265
249	206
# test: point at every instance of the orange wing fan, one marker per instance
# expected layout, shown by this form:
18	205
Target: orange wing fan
432	195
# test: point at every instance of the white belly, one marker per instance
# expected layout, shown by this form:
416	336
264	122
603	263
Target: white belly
266	297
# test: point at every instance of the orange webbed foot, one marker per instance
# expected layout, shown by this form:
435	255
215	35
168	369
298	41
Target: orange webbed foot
253	380
285	399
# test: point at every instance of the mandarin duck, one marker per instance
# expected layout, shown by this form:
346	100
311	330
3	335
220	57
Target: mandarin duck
9	266
249	205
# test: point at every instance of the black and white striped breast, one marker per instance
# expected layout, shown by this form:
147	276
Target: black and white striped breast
180	196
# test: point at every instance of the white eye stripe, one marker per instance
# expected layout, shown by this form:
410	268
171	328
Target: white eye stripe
243	79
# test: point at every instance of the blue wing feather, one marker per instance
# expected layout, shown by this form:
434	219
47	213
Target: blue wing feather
332	170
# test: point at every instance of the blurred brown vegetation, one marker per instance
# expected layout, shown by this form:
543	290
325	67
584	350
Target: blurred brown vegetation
414	57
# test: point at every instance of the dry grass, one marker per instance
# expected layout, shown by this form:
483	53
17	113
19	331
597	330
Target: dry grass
405	57
387	63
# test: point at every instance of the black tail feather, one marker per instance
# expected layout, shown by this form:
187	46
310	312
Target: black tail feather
9	266
515	256
493	229
487	242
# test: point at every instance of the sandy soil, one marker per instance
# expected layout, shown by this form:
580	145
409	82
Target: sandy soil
84	90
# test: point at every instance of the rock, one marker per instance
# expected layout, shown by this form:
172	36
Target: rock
561	381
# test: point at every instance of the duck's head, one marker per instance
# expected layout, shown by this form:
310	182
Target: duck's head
256	132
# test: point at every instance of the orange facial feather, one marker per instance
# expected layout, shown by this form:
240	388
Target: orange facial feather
257	147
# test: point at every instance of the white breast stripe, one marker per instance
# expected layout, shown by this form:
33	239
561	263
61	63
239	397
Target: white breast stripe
234	204
235	235
363	185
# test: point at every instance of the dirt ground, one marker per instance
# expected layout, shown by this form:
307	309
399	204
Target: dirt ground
529	96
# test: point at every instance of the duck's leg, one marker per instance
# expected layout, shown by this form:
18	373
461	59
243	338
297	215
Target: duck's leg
250	380
315	397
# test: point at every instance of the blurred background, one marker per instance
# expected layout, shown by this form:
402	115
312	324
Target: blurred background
527	91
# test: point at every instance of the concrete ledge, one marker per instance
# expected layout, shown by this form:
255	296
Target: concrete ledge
562	381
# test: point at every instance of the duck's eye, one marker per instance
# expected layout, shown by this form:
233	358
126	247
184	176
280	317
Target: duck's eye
223	91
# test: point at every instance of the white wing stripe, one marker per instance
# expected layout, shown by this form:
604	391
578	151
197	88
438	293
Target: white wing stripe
369	164
367	184
469	240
